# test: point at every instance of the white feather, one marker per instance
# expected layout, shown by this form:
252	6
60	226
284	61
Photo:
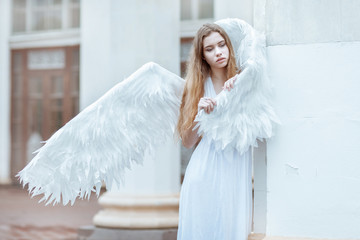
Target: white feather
107	137
243	114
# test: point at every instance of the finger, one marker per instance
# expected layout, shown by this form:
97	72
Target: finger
213	101
210	102
212	108
228	86
204	102
202	105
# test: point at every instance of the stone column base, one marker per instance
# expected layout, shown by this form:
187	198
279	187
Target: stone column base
98	233
138	212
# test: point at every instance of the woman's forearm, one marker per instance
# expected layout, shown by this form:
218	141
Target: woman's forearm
190	137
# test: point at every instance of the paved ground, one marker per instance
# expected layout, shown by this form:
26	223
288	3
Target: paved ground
23	218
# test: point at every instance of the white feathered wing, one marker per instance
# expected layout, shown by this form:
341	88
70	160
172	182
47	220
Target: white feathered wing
243	114
105	138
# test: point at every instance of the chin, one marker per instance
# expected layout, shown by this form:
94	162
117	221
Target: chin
222	65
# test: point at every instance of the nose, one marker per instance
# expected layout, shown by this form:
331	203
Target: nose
218	51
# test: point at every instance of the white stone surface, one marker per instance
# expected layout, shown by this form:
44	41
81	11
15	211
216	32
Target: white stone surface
157	176
308	21
259	15
314	160
118	37
5	92
95	51
234	9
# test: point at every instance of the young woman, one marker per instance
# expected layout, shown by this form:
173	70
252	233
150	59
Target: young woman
216	196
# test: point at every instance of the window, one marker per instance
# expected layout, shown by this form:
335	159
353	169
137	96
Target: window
45	95
185	47
44	15
197	9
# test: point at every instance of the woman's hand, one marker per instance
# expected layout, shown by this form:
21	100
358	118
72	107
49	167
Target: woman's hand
229	84
207	104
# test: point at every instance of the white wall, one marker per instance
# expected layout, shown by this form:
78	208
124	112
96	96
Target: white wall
314	161
305	21
5	6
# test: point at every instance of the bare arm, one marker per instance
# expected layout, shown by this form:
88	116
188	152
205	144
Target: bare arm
191	137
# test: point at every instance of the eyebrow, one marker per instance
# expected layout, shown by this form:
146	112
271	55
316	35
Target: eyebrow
214	44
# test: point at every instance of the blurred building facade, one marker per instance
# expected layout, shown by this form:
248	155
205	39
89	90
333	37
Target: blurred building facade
58	56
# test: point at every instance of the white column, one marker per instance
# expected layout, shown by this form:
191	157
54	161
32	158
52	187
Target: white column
118	37
313	161
95	51
5	92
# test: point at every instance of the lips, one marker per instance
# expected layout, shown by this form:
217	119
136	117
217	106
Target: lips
220	59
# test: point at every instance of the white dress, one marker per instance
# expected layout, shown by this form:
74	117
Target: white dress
216	195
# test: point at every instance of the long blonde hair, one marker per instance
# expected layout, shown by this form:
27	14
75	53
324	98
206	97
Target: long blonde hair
197	72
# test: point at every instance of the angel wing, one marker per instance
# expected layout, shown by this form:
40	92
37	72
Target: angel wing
245	113
106	137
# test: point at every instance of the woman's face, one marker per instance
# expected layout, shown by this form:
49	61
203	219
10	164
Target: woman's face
215	50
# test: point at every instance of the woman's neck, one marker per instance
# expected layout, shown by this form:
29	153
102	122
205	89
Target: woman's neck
218	75
218	78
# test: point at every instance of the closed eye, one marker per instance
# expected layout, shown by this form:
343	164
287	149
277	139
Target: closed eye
222	44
